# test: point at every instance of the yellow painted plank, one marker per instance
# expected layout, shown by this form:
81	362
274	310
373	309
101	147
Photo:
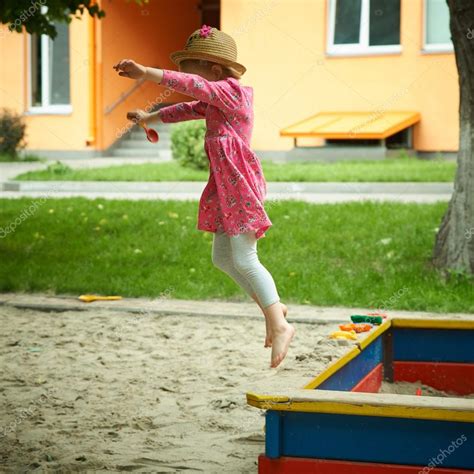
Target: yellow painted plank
341	362
354	352
333	368
261	399
353	125
367	410
351	403
433	323
374	334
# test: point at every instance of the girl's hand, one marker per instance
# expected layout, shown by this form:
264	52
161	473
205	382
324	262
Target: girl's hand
138	116
131	69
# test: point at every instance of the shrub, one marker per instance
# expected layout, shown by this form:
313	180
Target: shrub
58	169
187	144
12	132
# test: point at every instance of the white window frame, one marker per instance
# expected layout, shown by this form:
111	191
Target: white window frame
433	47
49	109
356	49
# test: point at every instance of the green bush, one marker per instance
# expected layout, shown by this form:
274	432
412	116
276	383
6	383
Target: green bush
12	132
58	169
187	144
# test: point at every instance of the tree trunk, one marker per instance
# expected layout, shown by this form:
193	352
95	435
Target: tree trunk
454	246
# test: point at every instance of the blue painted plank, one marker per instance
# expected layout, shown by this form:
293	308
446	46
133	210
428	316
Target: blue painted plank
273	434
373	439
354	371
433	345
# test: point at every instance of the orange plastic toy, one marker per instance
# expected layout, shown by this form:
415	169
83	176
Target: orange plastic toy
361	327
152	135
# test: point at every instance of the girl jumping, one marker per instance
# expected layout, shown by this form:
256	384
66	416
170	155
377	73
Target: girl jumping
231	204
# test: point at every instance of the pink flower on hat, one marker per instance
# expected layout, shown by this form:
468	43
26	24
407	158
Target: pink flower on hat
205	31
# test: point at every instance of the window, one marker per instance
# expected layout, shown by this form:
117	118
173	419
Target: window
364	26
49	72
437	32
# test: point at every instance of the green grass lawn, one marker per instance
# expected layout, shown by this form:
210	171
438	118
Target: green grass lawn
390	170
5	158
353	254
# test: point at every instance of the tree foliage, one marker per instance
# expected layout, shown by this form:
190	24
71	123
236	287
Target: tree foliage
31	14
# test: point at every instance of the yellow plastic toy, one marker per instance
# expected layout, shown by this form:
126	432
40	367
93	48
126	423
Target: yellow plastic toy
91	298
344	335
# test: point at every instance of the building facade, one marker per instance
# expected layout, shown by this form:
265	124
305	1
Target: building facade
302	57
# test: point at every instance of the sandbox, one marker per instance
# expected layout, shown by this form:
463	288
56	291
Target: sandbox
338	423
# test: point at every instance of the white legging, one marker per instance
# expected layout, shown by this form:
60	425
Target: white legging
237	256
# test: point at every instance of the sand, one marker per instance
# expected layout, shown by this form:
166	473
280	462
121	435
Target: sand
113	391
409	388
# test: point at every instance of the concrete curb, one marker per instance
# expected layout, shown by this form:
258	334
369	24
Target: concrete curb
172	307
197	187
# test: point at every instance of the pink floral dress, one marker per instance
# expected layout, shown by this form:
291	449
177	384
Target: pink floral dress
232	201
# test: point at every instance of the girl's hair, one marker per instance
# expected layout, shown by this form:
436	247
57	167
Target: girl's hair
228	71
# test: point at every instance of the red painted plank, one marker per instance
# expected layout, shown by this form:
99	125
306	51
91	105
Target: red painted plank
448	376
289	465
371	382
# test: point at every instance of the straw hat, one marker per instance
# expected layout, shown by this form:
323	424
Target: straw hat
210	44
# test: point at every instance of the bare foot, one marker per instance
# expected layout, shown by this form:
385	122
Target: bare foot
268	336
282	337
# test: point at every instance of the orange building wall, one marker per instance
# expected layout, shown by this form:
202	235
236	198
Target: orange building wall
147	34
53	132
283	45
11	66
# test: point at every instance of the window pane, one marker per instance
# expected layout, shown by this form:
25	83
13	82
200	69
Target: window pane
347	24
59	66
35	68
384	22
437	22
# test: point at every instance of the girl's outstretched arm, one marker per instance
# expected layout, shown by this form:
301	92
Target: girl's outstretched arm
173	113
193	110
222	94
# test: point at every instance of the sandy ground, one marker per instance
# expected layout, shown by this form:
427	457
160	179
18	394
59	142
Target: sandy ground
408	388
115	391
